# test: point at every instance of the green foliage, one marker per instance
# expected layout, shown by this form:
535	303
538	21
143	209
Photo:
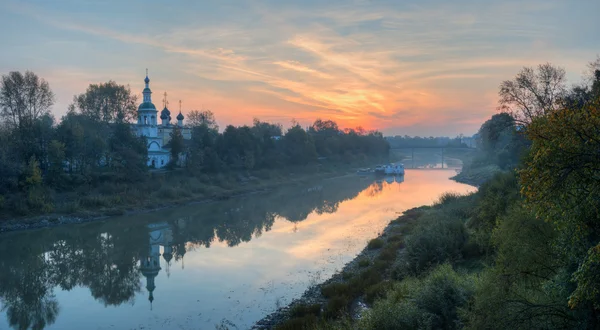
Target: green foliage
336	307
128	154
561	182
375	243
299	146
301	310
493	200
438	237
377	291
176	143
429	303
588	280
500	142
364	262
526	288
107	103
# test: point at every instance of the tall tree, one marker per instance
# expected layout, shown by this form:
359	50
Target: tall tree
25	101
561	180
106	102
24	98
533	92
299	146
202	117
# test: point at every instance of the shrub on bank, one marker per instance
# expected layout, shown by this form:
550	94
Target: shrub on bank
364	262
375	243
437	238
429	303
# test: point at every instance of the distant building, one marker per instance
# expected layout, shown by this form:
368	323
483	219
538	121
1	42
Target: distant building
158	136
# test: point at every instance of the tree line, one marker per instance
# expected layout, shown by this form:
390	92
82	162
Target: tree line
524	251
94	143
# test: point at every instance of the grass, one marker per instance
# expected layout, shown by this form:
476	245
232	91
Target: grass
168	188
302	310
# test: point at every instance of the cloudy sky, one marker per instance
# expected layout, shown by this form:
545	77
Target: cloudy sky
429	67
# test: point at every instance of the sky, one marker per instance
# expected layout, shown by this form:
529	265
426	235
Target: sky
427	68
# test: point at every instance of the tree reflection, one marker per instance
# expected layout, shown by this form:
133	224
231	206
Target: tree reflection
113	258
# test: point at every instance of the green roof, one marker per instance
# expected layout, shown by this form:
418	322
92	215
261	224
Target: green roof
146	105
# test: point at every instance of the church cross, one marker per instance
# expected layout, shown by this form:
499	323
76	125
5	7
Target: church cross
165	102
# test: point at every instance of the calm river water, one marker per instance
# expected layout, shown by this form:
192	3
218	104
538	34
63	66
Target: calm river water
197	266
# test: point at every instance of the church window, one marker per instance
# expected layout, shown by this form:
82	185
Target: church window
145	120
162	162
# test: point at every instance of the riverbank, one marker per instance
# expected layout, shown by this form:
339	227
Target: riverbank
168	190
341	296
406	247
476	176
403	249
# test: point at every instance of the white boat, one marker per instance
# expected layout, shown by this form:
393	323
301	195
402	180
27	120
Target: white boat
394	169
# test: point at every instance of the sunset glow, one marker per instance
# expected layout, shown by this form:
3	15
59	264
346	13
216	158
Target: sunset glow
403	67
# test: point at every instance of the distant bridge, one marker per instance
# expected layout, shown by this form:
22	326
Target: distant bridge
442	149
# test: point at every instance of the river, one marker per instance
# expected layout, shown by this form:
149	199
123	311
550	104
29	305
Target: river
229	262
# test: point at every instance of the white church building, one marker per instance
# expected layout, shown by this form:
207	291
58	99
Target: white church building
158	135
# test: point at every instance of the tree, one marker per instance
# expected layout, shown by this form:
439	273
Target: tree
561	182
299	146
176	144
37	196
24	99
267	135
203	150
107	102
204	117
533	93
85	141
56	158
128	154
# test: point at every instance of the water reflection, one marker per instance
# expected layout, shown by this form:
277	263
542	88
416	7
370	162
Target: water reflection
123	260
109	257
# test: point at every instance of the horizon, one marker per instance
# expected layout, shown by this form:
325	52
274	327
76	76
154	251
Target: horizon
431	69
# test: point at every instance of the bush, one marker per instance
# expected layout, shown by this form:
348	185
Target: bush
335	289
438	237
494	199
429	303
336	307
375	243
364	262
302	310
377	291
396	238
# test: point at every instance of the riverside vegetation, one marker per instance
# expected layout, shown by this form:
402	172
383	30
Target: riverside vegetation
521	253
91	163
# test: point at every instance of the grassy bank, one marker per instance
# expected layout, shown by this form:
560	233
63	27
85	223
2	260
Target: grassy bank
167	189
391	265
481	261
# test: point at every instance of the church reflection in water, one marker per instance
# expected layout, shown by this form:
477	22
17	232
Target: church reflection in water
160	235
113	258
